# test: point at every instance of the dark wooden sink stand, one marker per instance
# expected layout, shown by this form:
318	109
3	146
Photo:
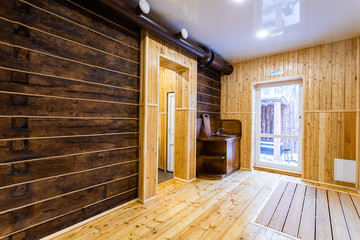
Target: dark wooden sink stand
217	156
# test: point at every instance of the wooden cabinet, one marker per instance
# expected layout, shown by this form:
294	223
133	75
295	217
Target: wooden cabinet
217	156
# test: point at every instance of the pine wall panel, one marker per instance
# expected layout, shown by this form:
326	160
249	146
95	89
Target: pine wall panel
330	83
167	79
69	121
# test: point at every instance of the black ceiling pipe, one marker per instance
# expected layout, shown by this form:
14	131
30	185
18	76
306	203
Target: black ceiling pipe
128	10
209	56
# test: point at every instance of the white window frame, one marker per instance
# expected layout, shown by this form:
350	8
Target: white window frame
257	122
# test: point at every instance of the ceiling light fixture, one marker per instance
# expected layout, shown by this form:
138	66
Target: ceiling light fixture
277	34
183	34
143	7
238	1
262	34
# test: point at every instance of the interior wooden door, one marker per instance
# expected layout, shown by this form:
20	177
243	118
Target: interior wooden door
171	131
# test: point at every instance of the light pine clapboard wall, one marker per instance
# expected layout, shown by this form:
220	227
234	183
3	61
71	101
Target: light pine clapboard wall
166	85
330	86
358	118
156	53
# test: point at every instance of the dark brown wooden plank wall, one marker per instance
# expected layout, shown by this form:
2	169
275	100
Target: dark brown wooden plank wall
69	116
208	95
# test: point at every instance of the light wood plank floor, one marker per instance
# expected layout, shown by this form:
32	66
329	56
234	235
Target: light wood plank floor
307	212
202	209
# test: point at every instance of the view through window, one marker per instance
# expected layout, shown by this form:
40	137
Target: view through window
279	125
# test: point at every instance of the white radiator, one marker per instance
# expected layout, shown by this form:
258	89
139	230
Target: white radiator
345	170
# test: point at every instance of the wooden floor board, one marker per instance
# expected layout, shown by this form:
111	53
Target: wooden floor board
270	207
323	225
338	223
307	223
251	231
278	220
263	234
356	201
242	213
209	211
313	213
167	214
292	223
351	216
213	219
224	209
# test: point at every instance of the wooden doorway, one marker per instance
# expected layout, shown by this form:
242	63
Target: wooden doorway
178	76
167	80
155	55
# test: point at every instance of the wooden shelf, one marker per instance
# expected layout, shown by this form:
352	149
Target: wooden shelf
211	176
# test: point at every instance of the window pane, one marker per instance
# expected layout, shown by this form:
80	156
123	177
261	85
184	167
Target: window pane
280	110
279	150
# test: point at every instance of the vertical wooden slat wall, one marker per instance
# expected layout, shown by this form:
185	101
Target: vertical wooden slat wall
330	82
209	95
358	119
69	117
167	79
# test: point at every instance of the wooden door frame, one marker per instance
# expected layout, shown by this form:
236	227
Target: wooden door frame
154	54
181	70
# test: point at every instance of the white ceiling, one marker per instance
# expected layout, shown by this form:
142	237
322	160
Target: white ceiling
229	27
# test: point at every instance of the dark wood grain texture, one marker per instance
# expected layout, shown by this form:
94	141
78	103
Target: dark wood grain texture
209	73
69	121
22	127
29	193
12	151
19	59
18	105
203	107
42	42
59	25
209	90
202	98
218	156
72	218
16	173
208	95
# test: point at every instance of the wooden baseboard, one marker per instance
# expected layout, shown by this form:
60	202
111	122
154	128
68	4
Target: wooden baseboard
283	172
345	184
245	169
183	180
191	180
147	200
331	186
88	220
